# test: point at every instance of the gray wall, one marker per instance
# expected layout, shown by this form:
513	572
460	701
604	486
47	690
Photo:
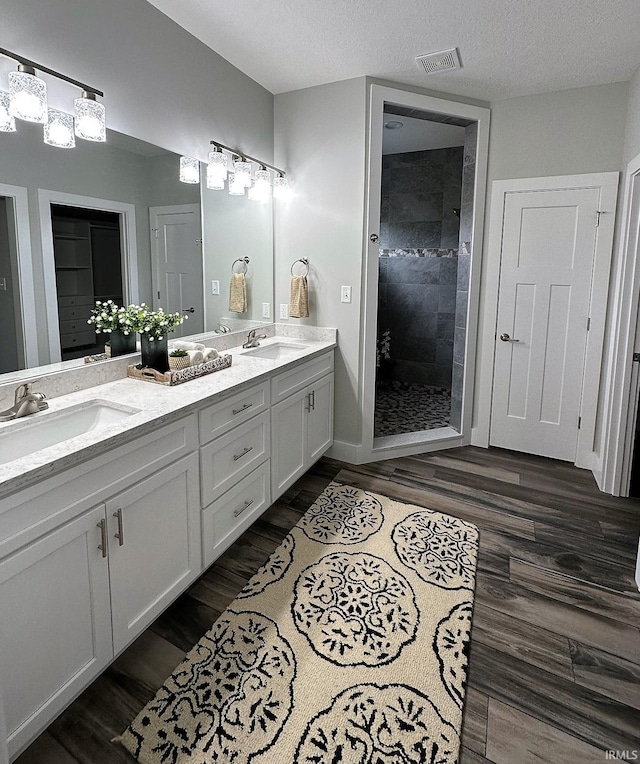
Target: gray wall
632	127
420	190
8	340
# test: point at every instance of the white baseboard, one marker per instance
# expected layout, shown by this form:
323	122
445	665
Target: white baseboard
345	452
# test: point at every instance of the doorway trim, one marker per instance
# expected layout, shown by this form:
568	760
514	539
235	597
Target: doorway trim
446	437
607	183
26	290
622	383
128	248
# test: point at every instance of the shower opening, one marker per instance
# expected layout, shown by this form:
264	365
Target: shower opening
426	222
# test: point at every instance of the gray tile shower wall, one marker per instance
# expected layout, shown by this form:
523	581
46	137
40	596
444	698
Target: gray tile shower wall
417	303
420	191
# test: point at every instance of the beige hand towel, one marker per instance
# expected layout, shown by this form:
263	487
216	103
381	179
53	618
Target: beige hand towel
238	293
299	299
210	354
195	357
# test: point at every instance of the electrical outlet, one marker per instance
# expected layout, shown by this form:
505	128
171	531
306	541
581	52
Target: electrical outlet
266	310
284	311
215	287
3	284
345	294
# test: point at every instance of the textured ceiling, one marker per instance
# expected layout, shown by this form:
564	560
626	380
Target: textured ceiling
508	47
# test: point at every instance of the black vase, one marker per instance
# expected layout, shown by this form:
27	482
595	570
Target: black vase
154	353
122	343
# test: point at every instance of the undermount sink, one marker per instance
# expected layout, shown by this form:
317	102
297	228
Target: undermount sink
34	433
277	351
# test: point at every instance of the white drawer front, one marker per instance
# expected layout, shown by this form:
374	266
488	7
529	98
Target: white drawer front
227	459
290	382
225	519
220	417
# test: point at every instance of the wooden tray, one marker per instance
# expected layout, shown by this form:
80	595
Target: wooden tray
172	378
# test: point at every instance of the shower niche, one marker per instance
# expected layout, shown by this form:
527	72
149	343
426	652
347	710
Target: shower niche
426	223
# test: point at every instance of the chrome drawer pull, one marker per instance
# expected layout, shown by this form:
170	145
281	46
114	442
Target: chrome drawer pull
103	537
241	409
244	452
246	505
120	534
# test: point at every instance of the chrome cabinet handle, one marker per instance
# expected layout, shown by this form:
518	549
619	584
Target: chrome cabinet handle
506	338
240	510
312	400
241	409
103	537
120	534
307	405
244	452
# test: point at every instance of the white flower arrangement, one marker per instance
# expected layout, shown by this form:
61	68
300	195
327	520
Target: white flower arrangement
108	317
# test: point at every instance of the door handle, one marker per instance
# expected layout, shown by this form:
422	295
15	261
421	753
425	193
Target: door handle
506	338
189	310
120	534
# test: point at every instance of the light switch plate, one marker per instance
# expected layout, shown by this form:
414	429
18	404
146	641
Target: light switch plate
215	287
266	310
284	311
345	294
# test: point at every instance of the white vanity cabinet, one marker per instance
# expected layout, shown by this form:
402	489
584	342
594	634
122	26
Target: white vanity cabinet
301	420
88	559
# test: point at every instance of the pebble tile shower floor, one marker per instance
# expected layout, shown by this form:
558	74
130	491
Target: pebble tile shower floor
402	408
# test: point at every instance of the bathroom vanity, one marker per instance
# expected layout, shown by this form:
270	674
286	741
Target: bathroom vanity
100	532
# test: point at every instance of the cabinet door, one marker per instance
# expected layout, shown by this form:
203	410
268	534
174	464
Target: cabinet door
289	437
320	424
55	626
154	546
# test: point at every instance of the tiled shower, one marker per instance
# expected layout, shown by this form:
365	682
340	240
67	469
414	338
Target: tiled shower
425	233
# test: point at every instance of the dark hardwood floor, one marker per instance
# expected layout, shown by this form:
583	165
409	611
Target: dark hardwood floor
554	671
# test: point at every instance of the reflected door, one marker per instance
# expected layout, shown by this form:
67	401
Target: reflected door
176	239
548	250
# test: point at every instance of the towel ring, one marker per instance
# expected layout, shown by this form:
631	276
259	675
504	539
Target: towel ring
305	262
244	260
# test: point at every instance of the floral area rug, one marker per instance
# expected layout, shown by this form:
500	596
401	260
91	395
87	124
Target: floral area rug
348	646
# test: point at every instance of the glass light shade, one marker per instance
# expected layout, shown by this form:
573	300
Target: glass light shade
261	186
7	122
58	130
215	181
189	170
28	97
242	170
280	187
218	164
90	119
236	185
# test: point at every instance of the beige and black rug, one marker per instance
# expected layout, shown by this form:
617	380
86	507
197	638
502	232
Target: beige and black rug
348	646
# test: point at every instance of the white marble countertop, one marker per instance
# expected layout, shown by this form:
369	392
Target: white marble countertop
156	404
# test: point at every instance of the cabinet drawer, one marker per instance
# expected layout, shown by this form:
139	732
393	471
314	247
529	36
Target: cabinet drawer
76	300
75	325
225	519
220	417
227	459
290	382
78	339
81	312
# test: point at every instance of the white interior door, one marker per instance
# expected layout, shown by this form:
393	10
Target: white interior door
547	259
176	240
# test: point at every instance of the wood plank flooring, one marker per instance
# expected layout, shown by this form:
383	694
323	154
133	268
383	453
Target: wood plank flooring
554	672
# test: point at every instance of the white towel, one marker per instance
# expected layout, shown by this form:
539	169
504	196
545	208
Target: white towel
195	357
210	354
184	345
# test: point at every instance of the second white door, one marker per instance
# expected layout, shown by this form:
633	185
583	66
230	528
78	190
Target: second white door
548	249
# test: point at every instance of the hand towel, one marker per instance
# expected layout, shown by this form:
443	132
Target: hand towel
238	293
185	345
195	357
299	299
210	354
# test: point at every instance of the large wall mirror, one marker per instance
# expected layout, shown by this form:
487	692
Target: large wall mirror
112	221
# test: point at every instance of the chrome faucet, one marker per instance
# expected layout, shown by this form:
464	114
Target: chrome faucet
25	403
253	339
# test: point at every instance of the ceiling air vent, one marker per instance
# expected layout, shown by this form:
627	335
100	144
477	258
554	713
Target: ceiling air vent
441	61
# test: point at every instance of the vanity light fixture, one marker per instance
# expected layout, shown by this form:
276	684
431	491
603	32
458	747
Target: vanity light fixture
7	122
58	131
280	187
217	167
215	180
242	170
261	185
28	101
189	170
236	185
